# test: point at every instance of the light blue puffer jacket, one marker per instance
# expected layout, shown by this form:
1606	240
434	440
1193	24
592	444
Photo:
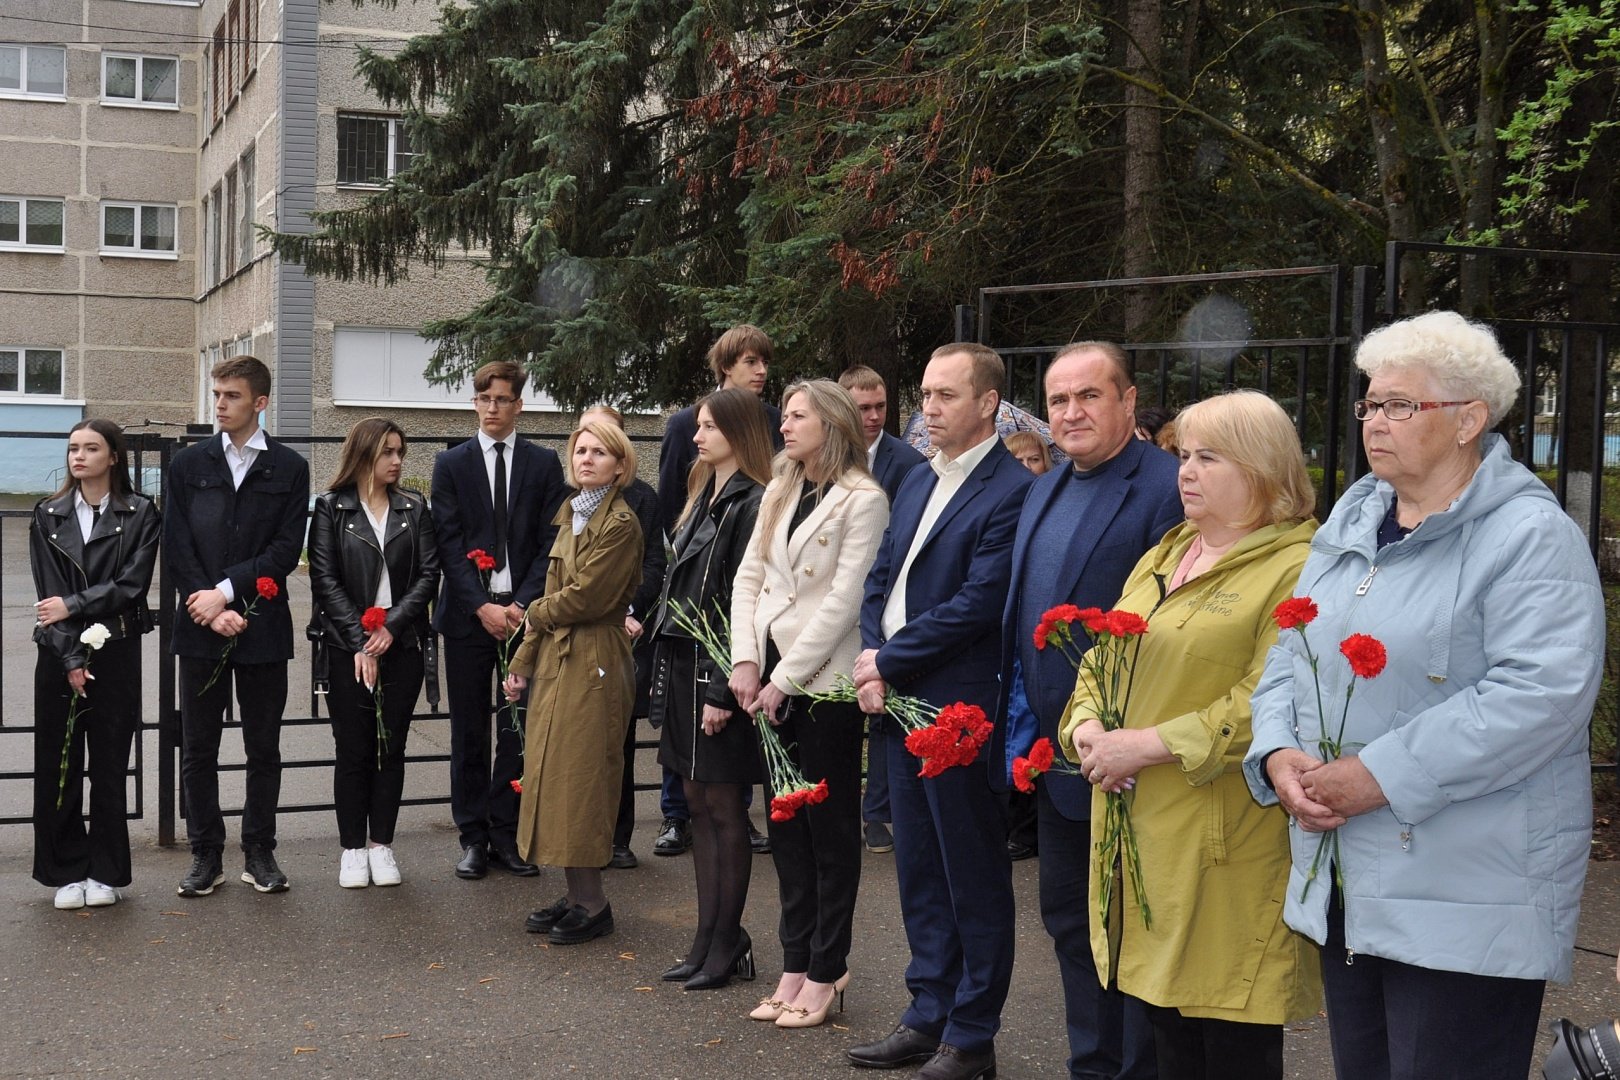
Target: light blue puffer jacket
1476	731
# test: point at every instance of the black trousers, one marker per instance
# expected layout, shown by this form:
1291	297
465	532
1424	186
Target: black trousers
1395	1021
65	850
624	825
1192	1048
261	698
366	786
818	852
482	801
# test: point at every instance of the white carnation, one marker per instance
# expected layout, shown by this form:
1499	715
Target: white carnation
95	635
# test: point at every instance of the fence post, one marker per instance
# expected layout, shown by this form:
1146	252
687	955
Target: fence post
168	710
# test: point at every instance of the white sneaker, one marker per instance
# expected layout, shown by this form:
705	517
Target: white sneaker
355	871
384	871
98	895
69	897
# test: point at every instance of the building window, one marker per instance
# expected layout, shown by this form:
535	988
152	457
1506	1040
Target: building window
153	81
30	371
228	224
216	75
35	71
214	263
377	366
244	241
30	224
137	229
371	149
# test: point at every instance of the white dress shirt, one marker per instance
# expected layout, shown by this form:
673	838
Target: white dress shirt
871	453
239	462
86	513
952	475
500	580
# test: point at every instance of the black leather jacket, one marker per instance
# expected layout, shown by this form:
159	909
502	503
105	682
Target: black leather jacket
346	566
709	548
103	581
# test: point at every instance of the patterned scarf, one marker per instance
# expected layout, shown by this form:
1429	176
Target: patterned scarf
585	504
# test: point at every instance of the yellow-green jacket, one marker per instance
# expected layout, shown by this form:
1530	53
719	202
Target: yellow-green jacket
1214	862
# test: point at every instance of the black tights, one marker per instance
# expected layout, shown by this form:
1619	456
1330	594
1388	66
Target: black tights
721	860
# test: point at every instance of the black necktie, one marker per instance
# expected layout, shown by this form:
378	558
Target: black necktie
500	506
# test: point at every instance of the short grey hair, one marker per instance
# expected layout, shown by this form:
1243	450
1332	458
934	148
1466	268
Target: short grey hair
1462	356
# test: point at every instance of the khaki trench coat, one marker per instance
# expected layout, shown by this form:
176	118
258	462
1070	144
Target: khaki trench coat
576	654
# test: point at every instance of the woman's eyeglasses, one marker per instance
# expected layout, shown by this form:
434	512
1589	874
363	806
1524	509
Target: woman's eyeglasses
1398	408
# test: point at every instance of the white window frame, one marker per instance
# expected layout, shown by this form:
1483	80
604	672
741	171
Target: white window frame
22	351
22	92
139	101
396	129
245	241
136	251
428	396
21	243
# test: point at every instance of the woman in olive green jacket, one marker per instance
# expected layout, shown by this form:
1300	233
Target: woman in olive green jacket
1218	967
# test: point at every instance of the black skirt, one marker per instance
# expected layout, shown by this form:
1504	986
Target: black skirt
728	757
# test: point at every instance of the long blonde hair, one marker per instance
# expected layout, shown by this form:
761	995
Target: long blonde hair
357	460
843	450
741	419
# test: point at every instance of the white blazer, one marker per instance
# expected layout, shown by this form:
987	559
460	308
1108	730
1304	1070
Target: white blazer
807	598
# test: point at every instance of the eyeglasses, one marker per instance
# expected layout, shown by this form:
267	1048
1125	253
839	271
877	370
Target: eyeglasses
484	401
1399	408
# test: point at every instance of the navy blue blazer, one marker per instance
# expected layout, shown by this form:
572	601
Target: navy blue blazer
894	459
464	520
949	650
1138	502
676	453
213	531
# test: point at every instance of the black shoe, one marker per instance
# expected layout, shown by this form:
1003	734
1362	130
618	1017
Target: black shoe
674	838
506	855
541	921
206	872
576	927
878	837
741	966
949	1063
758	842
259	870
474	862
1019	852
902	1046
682	971
623	859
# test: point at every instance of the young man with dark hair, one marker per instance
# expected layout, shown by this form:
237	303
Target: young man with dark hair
233	527
496	493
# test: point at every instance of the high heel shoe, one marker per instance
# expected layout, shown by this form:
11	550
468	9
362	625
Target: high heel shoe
742	966
767	1009
794	1017
682	971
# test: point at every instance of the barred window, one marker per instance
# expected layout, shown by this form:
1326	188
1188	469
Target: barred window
371	149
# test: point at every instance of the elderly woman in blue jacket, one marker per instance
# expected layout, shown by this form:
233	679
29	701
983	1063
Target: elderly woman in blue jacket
1457	817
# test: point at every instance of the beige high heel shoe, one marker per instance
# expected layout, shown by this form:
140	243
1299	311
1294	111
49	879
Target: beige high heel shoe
767	1009
794	1017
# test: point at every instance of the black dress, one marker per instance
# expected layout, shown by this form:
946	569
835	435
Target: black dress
709	547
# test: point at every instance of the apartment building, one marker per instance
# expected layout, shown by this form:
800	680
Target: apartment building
141	143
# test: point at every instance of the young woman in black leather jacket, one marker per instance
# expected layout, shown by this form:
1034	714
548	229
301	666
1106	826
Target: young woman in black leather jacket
91	546
371	546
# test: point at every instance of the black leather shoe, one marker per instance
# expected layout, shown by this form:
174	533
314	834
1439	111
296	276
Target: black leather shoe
949	1063
878	838
1019	852
506	855
576	927
206	872
682	971
541	921
758	842
259	870
623	859
674	838
474	862
902	1046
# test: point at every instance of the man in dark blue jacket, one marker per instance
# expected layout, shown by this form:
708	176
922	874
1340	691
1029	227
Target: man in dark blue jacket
496	493
931	628
233	527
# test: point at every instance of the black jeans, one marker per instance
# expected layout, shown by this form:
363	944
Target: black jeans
65	850
366	787
1192	1048
482	801
261	697
818	852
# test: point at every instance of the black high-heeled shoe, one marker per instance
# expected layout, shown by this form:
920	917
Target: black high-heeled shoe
682	971
741	966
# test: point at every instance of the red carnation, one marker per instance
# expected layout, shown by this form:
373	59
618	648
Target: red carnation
1366	655
1040	755
267	588
373	620
1126	624
1043	630
817	794
1095	620
482	559
1024	774
517	785
1294	612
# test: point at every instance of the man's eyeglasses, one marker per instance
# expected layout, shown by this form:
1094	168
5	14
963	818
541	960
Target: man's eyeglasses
1398	408
484	401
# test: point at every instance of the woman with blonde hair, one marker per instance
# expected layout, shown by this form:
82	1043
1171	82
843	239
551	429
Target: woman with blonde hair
1212	860
371	548
795	610
577	653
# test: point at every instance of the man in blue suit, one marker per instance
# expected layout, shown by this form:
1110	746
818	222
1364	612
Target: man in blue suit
931	627
890	459
1081	533
498	493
